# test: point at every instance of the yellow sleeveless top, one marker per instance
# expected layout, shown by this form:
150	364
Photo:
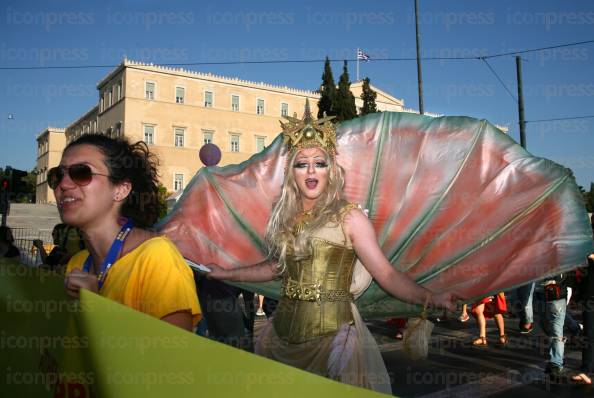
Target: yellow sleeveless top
315	298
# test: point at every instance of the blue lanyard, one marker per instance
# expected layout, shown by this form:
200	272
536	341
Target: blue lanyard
112	255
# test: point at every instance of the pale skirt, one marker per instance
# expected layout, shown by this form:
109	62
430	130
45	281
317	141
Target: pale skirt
350	356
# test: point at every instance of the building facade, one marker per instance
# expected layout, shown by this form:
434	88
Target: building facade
176	112
50	144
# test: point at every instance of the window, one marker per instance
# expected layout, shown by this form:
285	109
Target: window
109	99
179	95
118	91
102	106
179	136
149	134
149	90
207	137
235	103
234	141
284	109
260	107
208	99
260	143
178	182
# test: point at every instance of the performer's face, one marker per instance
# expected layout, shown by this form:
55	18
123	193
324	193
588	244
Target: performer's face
310	170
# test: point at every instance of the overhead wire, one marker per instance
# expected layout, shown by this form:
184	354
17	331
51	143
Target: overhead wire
49	67
498	78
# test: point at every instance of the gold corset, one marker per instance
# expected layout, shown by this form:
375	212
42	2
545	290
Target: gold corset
315	297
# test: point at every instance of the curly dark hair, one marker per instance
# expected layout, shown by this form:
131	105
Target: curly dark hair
133	163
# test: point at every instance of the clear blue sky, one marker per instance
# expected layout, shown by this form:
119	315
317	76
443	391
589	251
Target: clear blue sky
557	83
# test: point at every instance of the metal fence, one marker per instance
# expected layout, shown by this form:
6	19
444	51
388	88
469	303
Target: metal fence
23	239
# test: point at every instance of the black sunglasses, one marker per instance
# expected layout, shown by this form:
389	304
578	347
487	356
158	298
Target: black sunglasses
80	173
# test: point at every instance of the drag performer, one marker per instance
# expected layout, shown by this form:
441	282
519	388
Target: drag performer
314	238
108	189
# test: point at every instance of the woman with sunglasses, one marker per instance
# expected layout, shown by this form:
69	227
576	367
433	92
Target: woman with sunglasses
108	189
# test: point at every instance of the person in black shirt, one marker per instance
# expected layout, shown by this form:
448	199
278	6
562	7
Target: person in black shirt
7	247
67	240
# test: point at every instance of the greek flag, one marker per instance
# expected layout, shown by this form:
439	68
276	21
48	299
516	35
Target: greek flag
362	55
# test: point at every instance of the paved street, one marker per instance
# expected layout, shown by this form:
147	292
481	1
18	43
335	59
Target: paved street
25	215
456	369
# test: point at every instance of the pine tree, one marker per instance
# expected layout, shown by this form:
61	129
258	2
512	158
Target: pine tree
30	184
345	101
328	92
368	96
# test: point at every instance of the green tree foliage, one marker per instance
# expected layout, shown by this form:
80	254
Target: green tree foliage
327	99
345	100
30	185
368	96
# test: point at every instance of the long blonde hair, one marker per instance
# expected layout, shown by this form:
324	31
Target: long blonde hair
287	209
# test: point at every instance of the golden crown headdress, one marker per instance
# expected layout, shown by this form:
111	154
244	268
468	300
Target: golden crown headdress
309	133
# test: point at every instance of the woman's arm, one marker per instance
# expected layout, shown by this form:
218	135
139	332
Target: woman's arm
40	249
360	231
261	272
182	319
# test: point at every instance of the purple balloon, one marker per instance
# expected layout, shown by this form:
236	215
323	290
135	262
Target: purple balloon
210	155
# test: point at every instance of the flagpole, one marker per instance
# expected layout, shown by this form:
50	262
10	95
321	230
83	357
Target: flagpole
357	56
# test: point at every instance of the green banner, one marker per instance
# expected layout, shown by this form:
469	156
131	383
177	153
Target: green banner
53	346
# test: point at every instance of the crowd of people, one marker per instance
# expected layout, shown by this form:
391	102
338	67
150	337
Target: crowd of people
106	191
551	297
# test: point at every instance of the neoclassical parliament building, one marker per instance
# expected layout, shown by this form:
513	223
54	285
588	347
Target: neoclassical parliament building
176	111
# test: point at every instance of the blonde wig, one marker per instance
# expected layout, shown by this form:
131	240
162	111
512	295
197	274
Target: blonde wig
288	209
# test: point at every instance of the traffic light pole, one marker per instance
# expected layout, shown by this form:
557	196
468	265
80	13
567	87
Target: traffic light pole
5	206
5	194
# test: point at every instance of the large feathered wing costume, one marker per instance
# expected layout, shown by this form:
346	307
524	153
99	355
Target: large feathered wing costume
456	204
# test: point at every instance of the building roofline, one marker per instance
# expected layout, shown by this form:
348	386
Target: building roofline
93	109
150	67
399	101
50	129
111	74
